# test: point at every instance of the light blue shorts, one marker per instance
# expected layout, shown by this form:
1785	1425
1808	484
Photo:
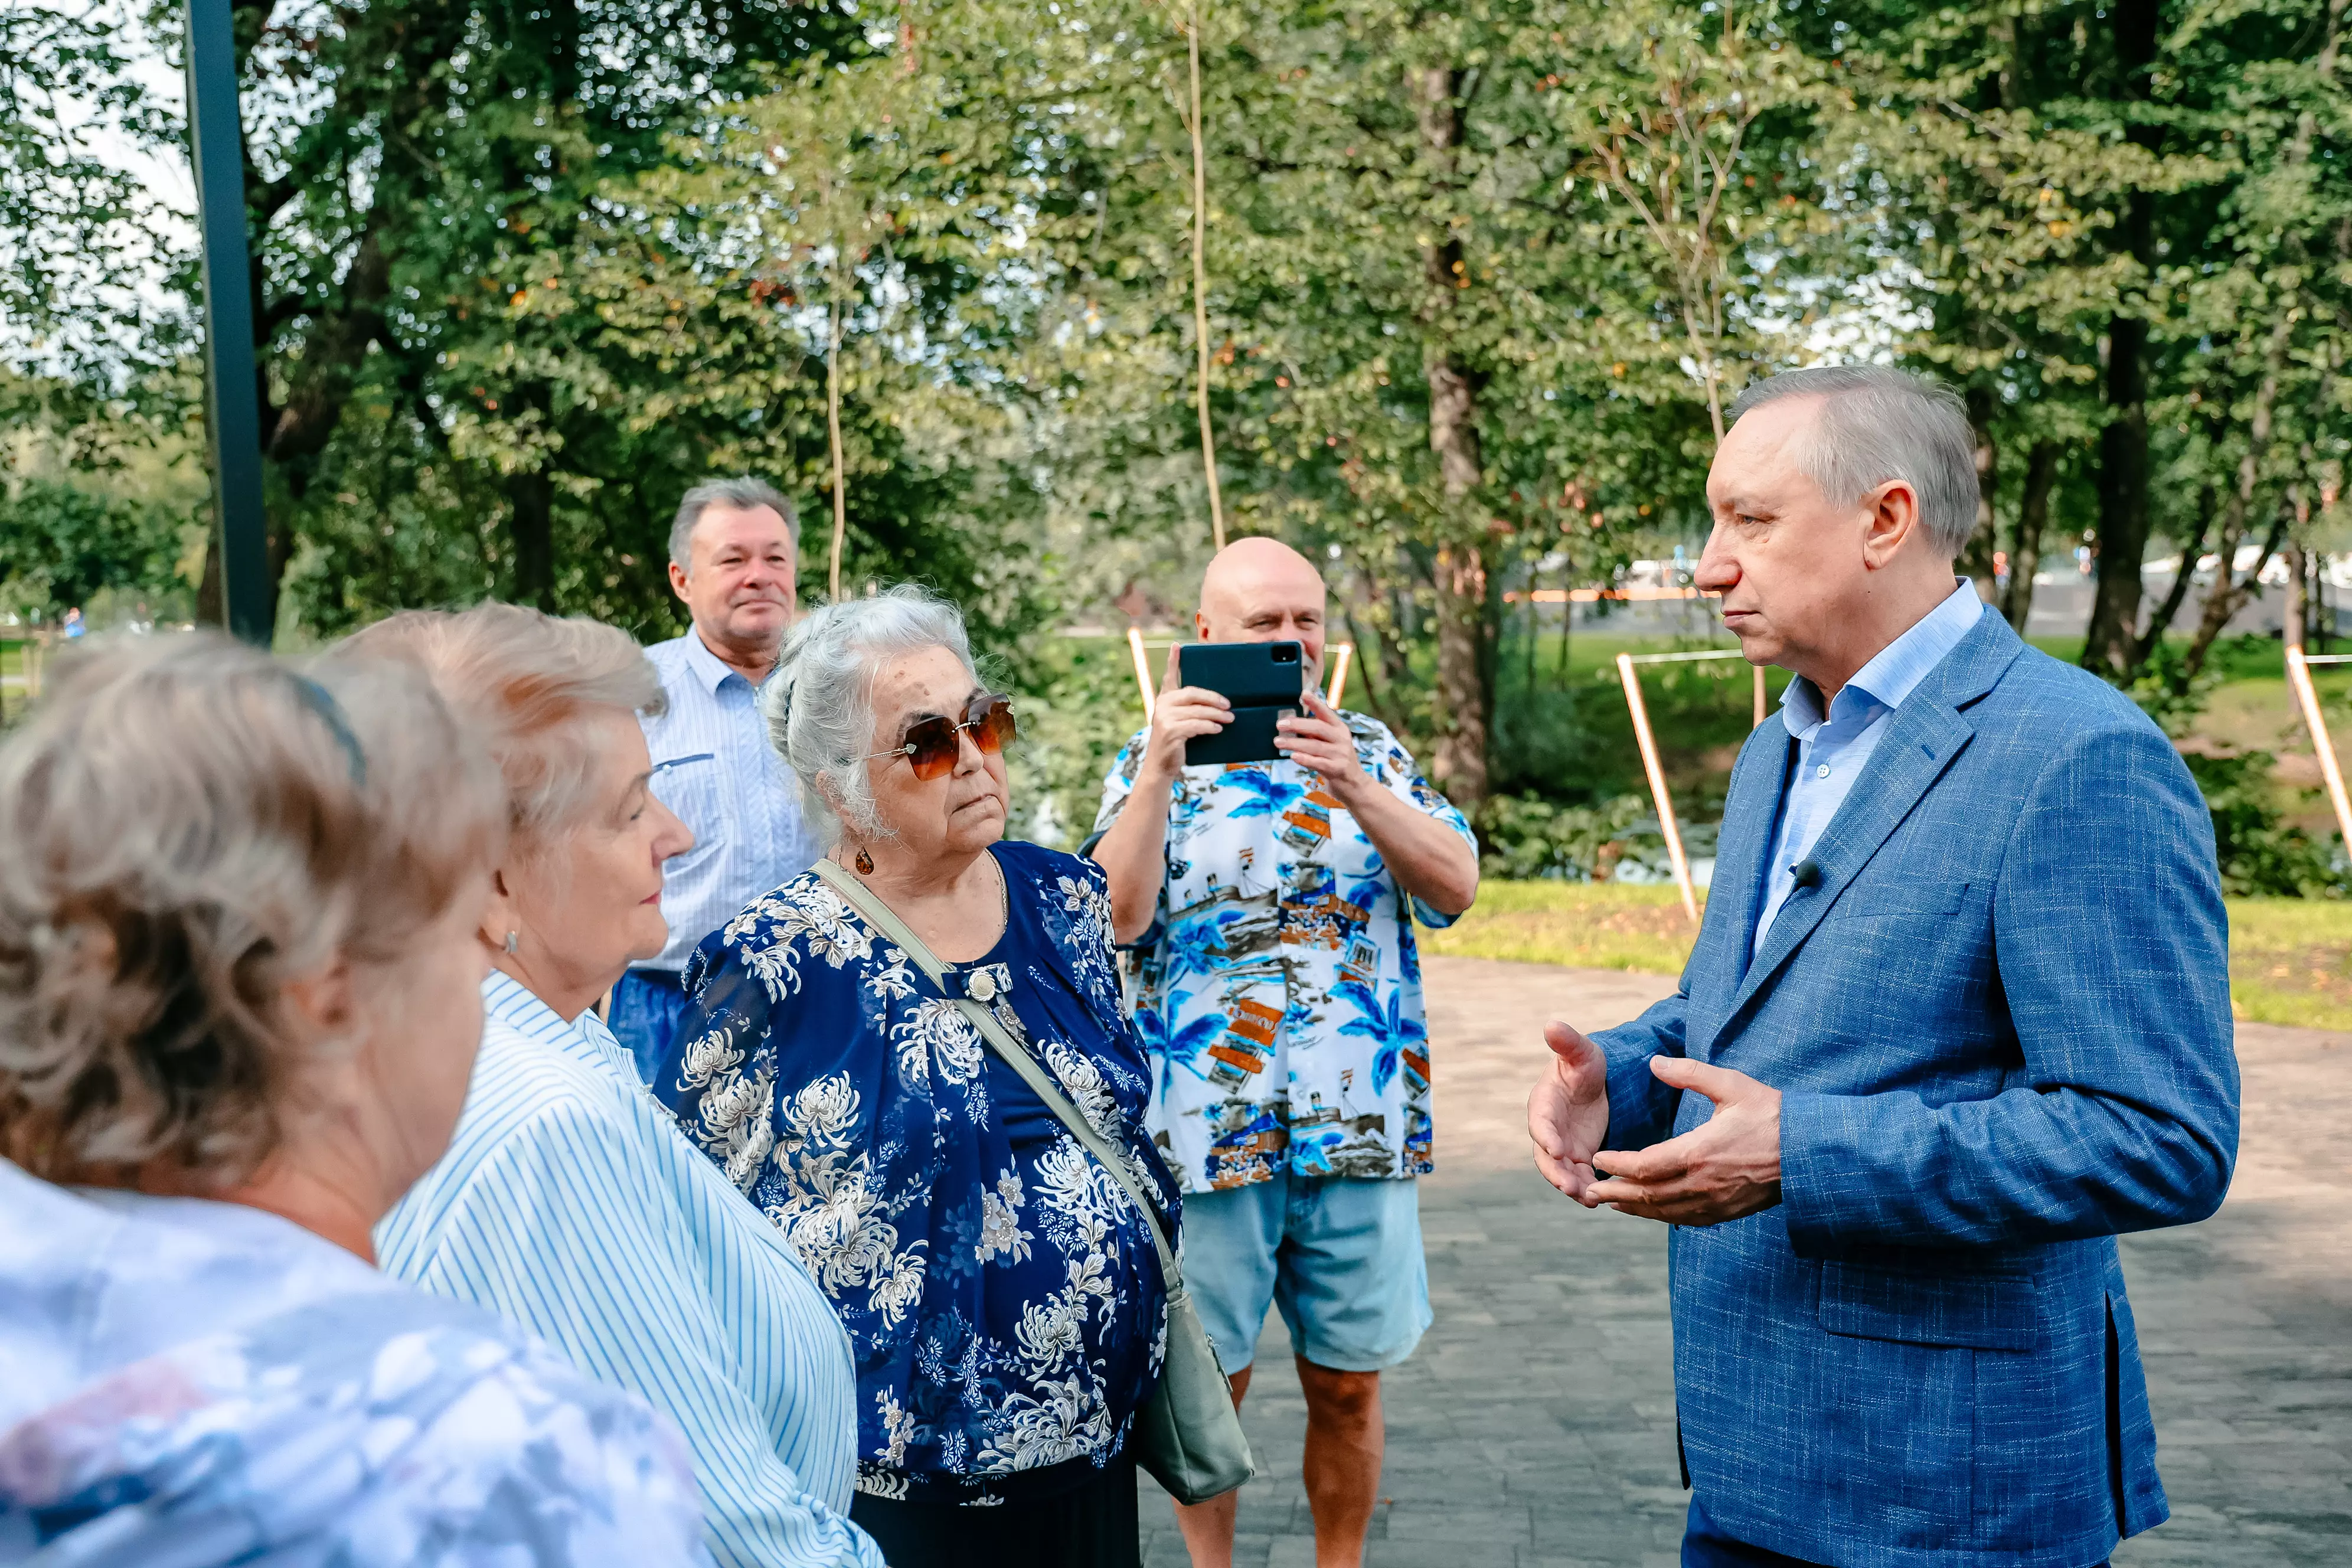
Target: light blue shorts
1339	1256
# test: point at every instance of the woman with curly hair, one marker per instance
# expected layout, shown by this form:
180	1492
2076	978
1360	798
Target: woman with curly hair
239	1007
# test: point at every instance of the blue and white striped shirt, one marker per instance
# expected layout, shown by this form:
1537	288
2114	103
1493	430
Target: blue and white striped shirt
570	1203
713	766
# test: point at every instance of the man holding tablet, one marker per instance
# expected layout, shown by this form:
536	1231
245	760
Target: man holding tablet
1271	901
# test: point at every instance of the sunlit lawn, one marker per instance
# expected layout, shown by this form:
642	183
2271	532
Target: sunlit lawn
12	674
2290	959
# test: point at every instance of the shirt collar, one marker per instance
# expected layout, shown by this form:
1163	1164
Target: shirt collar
511	1002
709	668
1896	670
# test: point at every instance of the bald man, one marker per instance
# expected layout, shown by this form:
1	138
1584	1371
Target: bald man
1281	1003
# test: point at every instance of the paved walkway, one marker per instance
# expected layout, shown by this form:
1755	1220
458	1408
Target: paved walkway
1535	1427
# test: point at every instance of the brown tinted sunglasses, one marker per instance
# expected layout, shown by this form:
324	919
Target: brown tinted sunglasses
931	745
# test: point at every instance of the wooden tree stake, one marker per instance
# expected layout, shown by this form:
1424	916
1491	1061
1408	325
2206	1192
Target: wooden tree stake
1143	668
2298	675
1200	284
1657	782
832	434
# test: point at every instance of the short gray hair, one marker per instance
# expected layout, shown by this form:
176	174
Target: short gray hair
819	703
1877	423
527	681
745	493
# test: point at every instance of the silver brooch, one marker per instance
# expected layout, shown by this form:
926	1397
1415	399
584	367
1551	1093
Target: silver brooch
981	986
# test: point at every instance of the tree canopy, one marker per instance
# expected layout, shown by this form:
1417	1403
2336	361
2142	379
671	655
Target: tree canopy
1482	279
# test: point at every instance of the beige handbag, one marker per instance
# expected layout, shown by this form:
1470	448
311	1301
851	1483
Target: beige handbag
1189	1437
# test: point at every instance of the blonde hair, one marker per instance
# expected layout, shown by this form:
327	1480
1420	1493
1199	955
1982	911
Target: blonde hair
185	824
526	682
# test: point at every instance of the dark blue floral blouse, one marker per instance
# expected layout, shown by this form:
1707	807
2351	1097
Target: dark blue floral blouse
1000	1291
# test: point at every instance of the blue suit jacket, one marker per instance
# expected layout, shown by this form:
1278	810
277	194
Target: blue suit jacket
2000	1026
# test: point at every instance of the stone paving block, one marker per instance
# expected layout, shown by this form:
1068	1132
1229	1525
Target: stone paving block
2245	1321
1534	1428
1502	1523
1439	1554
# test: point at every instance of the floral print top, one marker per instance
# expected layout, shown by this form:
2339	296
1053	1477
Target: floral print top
186	1384
1279	986
1001	1293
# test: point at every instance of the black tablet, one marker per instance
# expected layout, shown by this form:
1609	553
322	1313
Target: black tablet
1262	680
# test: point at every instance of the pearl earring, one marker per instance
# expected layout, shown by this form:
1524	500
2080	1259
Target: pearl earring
514	939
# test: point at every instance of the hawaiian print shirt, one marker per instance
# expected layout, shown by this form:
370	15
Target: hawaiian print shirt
1001	1293
1279	988
194	1384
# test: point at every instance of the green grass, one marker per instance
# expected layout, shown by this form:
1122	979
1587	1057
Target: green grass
1591	925
13	697
2290	959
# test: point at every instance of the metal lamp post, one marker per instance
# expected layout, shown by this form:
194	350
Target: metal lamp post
232	423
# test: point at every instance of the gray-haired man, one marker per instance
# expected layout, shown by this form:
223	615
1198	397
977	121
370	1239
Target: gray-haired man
732	552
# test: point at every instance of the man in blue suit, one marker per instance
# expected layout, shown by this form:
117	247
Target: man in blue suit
1958	1017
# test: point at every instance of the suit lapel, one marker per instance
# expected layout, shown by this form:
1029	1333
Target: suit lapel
1923	737
1751	812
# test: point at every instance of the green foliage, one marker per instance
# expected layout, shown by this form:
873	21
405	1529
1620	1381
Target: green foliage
76	225
1078	708
1481	281
64	544
2172	692
1525	837
2259	853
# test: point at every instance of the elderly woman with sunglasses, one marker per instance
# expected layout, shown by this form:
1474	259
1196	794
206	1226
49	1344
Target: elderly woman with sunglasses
1002	1292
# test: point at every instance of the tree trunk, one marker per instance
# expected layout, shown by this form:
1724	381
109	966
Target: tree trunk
530	523
2161	622
1976	556
1464	666
2123	445
2230	592
2123	506
2032	514
1461	760
212	609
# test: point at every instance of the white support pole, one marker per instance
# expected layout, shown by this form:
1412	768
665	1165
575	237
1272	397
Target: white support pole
2298	675
1657	782
1142	670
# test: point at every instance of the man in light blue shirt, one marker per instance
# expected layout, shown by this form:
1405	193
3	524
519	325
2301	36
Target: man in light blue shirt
1834	748
733	551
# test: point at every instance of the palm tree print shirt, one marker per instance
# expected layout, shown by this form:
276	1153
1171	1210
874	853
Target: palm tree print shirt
1280	988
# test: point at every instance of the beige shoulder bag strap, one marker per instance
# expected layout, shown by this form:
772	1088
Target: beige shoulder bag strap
1033	1072
1189	1437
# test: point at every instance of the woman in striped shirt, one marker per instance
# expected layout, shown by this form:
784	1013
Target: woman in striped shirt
236	1013
568	1201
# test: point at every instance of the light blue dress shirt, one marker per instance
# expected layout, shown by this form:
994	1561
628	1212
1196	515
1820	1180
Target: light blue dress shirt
714	767
1833	748
570	1203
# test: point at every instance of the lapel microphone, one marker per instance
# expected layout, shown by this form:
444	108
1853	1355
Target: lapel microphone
1806	872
